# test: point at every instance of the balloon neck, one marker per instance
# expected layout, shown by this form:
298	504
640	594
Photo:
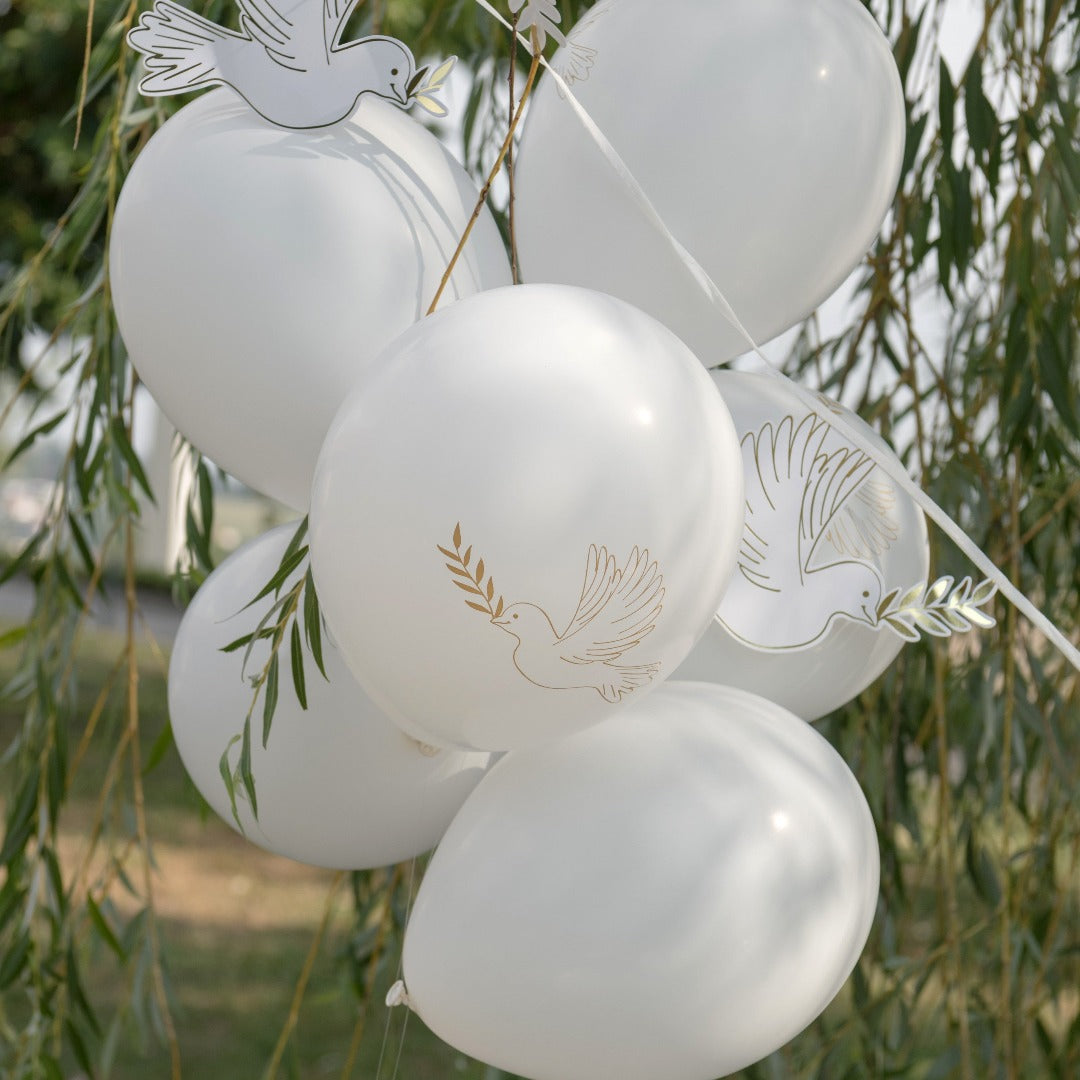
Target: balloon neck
398	995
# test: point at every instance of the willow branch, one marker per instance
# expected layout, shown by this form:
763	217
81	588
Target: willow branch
485	190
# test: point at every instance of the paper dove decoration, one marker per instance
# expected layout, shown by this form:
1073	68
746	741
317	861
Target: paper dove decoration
817	513
288	62
826	539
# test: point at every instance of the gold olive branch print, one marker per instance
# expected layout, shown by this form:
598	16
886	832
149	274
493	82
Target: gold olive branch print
470	579
938	609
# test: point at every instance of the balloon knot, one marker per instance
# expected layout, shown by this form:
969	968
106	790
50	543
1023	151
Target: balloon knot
426	750
398	995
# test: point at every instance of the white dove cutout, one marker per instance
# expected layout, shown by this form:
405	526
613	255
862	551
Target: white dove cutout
617	609
815	515
288	61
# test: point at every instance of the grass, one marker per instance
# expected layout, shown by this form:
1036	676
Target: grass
236	925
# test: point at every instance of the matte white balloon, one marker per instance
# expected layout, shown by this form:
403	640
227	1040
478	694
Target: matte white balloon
827	537
256	271
674	893
768	134
525	513
338	785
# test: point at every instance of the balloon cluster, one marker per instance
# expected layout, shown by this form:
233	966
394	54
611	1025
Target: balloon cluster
532	508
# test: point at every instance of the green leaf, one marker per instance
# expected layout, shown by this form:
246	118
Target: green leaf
288	564
29	440
21	820
161	747
78	992
270	698
197	540
14	960
12	637
78	1047
205	489
1054	377
980	116
313	623
105	931
247	777
21	561
296	649
297	537
82	545
226	772
982	873
946	108
123	443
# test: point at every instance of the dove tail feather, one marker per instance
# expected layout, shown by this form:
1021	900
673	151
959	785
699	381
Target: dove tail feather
629	677
180	49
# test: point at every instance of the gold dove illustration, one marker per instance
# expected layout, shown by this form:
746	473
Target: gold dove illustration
617	609
815	515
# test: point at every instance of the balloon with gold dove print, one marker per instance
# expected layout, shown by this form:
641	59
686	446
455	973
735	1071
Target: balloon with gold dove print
288	60
616	610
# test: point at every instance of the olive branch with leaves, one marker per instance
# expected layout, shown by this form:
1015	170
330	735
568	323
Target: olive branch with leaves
938	609
470	579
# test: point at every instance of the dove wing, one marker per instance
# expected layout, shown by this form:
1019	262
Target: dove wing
297	41
336	14
616	610
777	463
866	526
835	478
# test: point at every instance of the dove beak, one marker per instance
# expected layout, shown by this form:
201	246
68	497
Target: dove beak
869	616
400	94
500	622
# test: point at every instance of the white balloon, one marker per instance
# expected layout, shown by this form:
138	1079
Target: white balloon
256	271
526	511
827	537
337	785
674	893
768	134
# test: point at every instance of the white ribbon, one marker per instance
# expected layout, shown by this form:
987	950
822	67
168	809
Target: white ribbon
891	466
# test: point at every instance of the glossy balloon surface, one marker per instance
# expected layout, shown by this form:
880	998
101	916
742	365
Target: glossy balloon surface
674	893
524	516
256	271
338	785
827	537
768	134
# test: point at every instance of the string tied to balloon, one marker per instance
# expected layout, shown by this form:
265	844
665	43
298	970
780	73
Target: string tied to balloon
892	468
